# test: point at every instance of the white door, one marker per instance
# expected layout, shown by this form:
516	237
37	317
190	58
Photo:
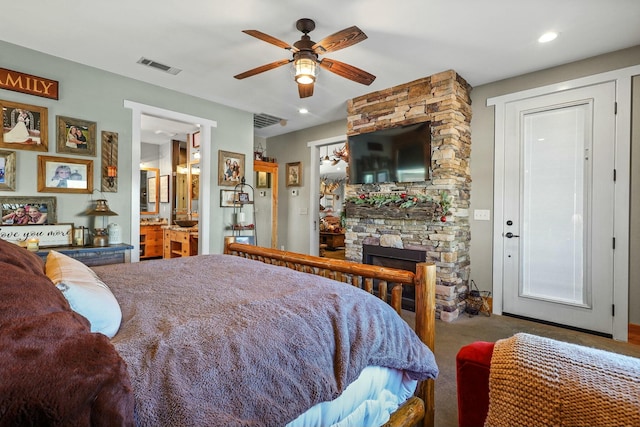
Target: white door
558	208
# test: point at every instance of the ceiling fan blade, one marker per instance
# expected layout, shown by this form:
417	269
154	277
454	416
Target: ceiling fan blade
262	69
270	39
340	40
347	71
306	90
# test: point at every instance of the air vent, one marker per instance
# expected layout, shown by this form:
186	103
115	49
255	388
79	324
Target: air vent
158	66
263	120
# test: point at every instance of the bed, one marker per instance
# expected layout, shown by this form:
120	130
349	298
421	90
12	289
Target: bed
235	339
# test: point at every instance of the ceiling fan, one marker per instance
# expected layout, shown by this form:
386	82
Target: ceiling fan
306	56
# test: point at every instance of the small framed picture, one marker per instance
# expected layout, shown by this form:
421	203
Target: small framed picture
76	136
24	127
7	170
263	179
227	198
64	175
294	174
164	188
25	210
195	142
243	197
230	168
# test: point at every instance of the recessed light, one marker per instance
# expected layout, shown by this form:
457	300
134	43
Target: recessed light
547	37
303	111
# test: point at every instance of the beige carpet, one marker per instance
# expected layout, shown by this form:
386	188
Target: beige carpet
450	337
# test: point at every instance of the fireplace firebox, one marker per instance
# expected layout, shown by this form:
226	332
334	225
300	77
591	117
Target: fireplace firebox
403	259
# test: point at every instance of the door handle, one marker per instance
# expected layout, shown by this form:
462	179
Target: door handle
509	235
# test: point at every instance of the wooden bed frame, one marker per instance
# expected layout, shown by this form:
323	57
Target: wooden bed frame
419	410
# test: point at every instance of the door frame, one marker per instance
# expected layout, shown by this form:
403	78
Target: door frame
622	79
314	182
206	170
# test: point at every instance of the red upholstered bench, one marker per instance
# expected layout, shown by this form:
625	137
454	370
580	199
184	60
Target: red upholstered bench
473	362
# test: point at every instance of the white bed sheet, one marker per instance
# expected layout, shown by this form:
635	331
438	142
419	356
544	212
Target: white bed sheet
368	401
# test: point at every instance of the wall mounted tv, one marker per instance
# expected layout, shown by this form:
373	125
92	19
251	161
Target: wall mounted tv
401	154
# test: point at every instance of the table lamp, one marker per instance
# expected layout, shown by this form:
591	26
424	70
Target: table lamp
101	209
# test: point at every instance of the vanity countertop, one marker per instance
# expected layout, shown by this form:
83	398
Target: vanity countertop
193	229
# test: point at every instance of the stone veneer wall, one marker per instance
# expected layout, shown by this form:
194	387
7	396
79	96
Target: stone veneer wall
443	100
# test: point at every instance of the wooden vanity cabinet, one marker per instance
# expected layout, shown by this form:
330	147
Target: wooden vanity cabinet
180	242
151	241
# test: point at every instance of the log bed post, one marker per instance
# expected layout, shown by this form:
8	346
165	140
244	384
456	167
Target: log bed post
421	406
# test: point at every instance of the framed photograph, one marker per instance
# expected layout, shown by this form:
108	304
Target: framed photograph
24	127
263	179
227	198
243	198
25	210
7	170
151	190
164	188
64	175
76	136
195	142
230	168
294	174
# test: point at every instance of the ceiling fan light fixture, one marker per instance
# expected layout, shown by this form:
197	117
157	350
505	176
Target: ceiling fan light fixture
306	70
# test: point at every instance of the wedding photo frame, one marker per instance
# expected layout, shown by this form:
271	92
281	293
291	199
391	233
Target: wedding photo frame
65	175
46	206
24	127
230	168
76	136
7	170
294	174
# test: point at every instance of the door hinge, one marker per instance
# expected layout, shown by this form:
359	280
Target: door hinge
613	310
615	108
615	175
614	243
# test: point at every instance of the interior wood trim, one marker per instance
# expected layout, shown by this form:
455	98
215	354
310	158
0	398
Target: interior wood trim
272	168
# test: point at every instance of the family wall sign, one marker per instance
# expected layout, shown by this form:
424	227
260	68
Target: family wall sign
26	83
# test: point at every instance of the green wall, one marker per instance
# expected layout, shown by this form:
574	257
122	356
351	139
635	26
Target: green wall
95	95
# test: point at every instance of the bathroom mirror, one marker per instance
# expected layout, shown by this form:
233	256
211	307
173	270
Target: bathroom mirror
149	191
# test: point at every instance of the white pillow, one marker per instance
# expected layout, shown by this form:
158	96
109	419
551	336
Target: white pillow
86	293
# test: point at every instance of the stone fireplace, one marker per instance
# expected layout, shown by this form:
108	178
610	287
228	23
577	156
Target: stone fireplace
442	100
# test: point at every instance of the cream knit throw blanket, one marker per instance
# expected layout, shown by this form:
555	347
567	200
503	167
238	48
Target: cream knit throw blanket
537	381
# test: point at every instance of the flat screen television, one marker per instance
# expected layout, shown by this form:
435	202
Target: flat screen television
401	154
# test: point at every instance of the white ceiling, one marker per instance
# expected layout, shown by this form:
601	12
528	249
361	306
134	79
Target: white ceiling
483	41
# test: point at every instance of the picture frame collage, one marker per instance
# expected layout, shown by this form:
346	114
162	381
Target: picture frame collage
25	128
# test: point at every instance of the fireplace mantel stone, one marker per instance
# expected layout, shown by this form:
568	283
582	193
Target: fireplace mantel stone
444	101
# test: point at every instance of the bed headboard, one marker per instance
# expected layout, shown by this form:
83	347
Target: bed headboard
362	276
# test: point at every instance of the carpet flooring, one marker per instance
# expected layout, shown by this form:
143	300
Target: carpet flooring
450	337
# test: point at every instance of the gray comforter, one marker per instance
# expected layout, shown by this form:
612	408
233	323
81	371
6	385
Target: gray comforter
218	340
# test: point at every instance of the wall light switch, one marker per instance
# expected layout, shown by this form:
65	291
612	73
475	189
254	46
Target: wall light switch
263	194
482	214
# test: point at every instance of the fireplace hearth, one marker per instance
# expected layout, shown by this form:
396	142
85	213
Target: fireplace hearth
403	259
